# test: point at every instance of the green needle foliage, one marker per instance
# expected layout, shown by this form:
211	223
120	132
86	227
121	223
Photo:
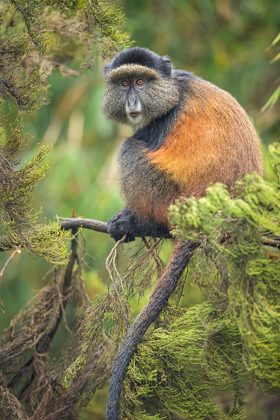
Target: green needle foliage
35	38
275	96
233	337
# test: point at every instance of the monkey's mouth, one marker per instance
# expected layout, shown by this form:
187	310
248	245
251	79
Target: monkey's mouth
134	114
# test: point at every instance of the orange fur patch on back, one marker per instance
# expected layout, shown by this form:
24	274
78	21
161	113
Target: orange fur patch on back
212	141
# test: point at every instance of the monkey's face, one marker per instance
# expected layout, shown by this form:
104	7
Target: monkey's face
136	95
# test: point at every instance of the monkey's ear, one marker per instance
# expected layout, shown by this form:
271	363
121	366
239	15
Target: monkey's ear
166	65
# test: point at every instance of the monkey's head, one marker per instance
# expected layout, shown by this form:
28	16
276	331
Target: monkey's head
139	87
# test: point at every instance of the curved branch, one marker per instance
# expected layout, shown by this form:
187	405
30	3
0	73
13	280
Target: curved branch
166	285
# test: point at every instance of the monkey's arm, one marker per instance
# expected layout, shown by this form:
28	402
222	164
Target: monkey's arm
127	223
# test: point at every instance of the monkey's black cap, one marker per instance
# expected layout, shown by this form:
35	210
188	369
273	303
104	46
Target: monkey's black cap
143	57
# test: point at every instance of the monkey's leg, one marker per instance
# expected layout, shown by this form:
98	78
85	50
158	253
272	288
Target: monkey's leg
129	224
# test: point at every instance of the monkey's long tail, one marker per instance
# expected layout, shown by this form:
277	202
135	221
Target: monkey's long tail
167	283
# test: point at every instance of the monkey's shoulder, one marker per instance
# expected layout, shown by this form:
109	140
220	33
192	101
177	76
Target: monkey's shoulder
183	74
196	88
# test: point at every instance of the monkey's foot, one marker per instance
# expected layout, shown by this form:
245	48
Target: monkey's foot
120	225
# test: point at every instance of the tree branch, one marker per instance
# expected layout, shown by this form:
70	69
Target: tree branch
166	285
271	242
97	225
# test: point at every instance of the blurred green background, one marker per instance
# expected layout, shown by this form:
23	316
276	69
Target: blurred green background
226	42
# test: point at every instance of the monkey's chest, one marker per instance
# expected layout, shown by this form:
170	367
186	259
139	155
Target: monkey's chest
148	192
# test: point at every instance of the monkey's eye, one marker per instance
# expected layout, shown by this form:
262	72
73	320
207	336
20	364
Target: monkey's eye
125	83
140	82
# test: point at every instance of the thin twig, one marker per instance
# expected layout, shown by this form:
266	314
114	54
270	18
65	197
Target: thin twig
7	161
271	242
113	261
111	257
16	251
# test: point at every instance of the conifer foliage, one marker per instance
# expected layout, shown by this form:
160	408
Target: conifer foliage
233	337
36	37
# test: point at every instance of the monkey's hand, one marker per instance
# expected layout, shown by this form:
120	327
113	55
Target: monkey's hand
122	224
